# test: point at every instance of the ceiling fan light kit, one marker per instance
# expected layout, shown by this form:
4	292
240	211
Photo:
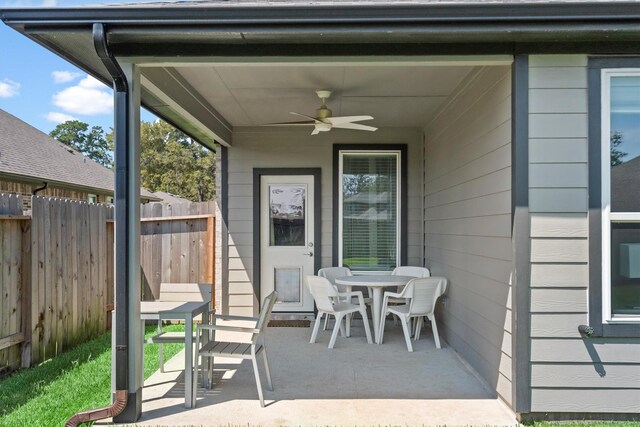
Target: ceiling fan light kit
324	120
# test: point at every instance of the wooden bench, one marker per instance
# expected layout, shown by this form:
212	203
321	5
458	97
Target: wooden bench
179	292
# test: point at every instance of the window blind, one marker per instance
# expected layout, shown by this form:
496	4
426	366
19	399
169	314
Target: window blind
369	211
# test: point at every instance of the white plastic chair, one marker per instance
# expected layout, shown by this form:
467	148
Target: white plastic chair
212	348
331	302
422	294
332	273
420	321
410	271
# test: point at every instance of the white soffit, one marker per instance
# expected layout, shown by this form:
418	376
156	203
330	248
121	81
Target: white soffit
208	130
396	94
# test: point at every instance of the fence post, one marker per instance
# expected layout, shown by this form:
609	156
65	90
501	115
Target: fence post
211	258
26	301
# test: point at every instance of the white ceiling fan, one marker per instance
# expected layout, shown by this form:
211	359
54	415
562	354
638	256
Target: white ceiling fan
324	121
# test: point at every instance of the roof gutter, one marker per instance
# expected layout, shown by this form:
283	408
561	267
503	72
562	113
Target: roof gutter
223	29
71	186
232	15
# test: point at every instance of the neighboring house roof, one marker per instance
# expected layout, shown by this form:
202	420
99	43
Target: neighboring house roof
369	198
625	196
28	154
170	198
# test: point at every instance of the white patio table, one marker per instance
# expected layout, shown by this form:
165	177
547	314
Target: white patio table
376	284
176	310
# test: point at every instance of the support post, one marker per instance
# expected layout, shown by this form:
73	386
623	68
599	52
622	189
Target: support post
128	251
127	373
521	252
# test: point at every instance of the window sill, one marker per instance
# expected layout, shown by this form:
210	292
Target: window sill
618	330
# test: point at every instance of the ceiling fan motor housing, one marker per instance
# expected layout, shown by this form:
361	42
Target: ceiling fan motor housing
323	112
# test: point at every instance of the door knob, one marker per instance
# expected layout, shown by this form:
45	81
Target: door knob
307	253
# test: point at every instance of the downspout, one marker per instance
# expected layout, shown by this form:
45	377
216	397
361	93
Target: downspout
121	342
37	190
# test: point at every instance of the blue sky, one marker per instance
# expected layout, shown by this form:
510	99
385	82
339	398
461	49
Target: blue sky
41	88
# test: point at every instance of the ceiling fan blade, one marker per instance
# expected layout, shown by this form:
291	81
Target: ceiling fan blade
315	131
304	115
355	126
347	119
309	123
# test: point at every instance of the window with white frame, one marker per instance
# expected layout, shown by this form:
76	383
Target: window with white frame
369	209
620	195
92	198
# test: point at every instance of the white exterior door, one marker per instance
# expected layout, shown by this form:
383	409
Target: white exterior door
287	249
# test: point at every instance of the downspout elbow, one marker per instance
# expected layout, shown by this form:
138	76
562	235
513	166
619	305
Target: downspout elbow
119	403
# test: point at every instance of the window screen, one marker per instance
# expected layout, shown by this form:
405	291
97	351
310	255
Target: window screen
369	214
624	147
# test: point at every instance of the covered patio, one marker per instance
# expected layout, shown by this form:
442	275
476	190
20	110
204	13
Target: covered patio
356	383
433	187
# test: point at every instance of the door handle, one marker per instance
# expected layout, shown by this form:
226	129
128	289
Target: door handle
307	253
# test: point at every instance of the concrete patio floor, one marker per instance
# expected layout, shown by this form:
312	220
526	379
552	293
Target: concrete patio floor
354	384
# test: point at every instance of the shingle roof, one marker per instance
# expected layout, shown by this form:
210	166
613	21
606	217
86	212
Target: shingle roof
170	198
29	153
624	186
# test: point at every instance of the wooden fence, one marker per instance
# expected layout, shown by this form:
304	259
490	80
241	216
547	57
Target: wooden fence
177	245
70	273
14	270
56	268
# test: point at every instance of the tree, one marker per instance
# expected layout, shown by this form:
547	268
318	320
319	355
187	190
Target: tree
616	155
93	142
356	183
172	162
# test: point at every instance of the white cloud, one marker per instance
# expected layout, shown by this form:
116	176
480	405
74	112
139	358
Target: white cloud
90	82
89	97
64	76
9	88
57	117
29	3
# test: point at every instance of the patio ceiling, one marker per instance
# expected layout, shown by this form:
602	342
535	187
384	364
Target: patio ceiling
256	94
218	95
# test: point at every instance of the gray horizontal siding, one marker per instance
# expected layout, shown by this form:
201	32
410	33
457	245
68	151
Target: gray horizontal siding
600	375
571	350
568	373
468	221
585	400
285	148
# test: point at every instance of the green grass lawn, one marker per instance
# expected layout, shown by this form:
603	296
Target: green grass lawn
76	380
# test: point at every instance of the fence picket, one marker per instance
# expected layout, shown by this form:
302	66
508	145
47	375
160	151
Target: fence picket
73	254
4	303
15	297
56	292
